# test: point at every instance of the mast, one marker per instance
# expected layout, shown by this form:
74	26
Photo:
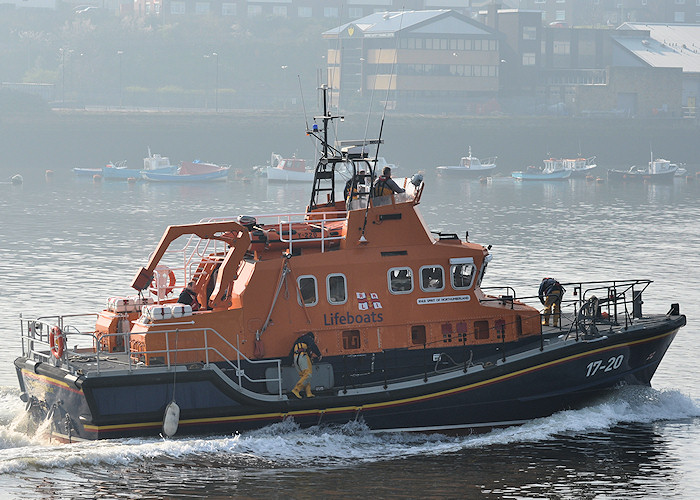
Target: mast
324	174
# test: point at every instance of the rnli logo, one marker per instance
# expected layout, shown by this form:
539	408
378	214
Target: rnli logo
351	30
368	301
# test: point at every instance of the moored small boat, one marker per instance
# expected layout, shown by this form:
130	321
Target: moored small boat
189	172
553	170
469	166
658	170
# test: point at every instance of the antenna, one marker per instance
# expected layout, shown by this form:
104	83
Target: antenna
303	104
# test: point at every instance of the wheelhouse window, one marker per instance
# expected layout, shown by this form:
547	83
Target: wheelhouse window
462	275
337	289
432	278
308	290
483	270
400	280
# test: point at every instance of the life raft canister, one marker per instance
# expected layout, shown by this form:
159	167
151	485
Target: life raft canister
57	342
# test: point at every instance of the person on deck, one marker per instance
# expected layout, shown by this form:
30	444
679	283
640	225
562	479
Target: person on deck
304	348
550	294
385	185
354	186
189	296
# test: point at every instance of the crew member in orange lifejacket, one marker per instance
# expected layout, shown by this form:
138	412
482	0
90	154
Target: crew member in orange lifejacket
354	186
550	294
385	185
304	347
189	296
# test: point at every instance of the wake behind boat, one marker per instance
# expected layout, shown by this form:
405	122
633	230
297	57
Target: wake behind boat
411	339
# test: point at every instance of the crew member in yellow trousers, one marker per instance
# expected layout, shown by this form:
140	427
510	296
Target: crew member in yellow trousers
304	347
550	294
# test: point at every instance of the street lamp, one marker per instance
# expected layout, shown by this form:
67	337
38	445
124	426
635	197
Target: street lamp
284	86
63	75
216	88
119	53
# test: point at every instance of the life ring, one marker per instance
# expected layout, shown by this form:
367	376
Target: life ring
57	342
171	281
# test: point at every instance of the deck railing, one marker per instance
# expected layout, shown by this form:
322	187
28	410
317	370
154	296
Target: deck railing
36	345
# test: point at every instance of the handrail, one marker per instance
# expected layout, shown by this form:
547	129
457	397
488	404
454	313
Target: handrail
30	340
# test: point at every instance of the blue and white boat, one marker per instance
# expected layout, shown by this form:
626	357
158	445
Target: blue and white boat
153	163
194	171
553	170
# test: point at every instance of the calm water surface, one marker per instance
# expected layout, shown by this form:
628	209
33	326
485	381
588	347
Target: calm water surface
68	244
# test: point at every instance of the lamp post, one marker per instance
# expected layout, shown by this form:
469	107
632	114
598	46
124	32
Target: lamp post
284	86
63	75
119	53
216	87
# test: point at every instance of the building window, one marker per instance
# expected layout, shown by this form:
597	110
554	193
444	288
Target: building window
418	335
351	339
337	290
254	10
201	7
400	280
330	12
177	7
279	10
432	278
355	12
679	17
529	59
228	9
529	32
308	291
560	15
304	12
561	47
680	2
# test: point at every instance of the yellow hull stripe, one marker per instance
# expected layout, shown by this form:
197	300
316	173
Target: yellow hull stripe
370	406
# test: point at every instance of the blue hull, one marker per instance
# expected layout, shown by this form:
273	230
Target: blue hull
532	384
554	176
112	173
161	177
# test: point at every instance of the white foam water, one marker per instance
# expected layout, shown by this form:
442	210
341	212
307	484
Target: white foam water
285	444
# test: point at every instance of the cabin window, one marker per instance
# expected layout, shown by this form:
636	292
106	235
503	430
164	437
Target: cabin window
481	330
500	327
337	289
351	339
447	332
462	276
432	278
418	334
400	280
462	331
308	290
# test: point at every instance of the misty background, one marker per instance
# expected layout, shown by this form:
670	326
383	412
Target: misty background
203	88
